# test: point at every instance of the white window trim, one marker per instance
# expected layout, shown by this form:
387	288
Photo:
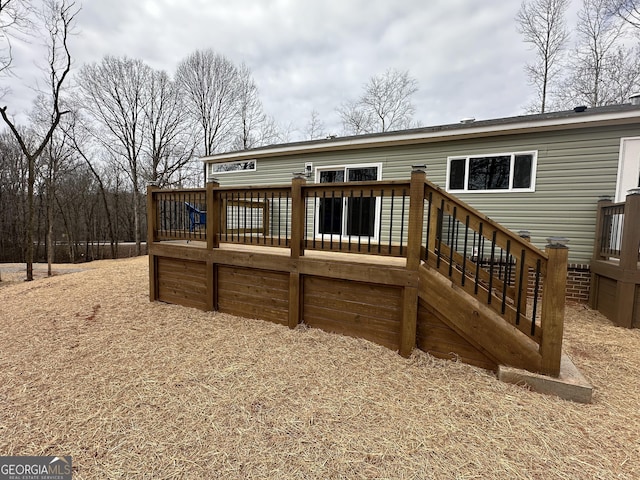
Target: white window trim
255	167
343	228
534	168
623	163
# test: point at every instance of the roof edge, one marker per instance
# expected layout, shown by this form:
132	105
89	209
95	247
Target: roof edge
484	128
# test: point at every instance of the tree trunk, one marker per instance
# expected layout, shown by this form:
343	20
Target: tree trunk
50	244
136	222
30	218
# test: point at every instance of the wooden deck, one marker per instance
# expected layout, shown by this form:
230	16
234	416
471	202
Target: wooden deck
433	285
360	296
615	267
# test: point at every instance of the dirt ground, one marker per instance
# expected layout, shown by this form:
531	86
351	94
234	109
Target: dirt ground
11	273
132	389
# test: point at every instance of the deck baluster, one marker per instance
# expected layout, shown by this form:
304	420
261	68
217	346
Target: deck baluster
480	243
504	280
491	266
536	290
404	196
451	242
380	224
464	254
391	218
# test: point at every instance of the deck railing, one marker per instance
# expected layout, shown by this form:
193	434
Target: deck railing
616	224
610	234
254	216
179	214
416	220
357	217
499	268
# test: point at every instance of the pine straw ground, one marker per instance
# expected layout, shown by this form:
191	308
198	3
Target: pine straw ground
132	389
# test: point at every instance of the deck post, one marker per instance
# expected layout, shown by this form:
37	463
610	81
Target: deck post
631	231
295	301
297	215
213	213
553	303
625	290
213	240
296	247
414	242
416	216
152	218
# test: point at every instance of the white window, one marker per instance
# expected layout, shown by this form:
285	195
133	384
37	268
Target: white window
348	216
503	172
228	167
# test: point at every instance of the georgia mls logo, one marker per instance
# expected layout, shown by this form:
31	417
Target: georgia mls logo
35	468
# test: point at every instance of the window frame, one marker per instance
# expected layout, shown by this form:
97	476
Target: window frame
467	158
234	162
343	227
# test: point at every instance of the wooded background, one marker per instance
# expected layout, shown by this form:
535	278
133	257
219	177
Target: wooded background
73	174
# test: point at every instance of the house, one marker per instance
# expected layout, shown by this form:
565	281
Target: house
540	173
363	241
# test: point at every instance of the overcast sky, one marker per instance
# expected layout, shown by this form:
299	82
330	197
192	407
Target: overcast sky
466	55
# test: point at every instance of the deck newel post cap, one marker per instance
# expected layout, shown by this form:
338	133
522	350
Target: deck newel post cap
633	191
604	198
557	242
211	179
419	168
524	233
299	175
153	183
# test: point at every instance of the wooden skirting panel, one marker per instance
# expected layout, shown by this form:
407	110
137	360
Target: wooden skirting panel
636	309
357	309
360	300
182	282
253	293
438	339
606	302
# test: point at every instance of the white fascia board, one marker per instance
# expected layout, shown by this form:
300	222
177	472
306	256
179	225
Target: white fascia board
371	141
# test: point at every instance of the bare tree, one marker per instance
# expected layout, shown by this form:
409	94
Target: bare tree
622	75
628	10
599	34
14	21
315	126
80	138
251	117
169	143
209	82
542	24
384	105
115	94
13	189
356	119
56	159
388	96
271	132
58	19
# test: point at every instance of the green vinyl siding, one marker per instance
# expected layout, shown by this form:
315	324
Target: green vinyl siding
574	167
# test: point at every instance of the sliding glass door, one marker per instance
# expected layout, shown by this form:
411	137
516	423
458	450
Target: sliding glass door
354	213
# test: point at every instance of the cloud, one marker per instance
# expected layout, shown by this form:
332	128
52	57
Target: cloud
466	56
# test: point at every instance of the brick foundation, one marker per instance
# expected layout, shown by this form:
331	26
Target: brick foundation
578	282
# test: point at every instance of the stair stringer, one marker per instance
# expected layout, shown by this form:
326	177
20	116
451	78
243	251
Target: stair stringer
483	328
